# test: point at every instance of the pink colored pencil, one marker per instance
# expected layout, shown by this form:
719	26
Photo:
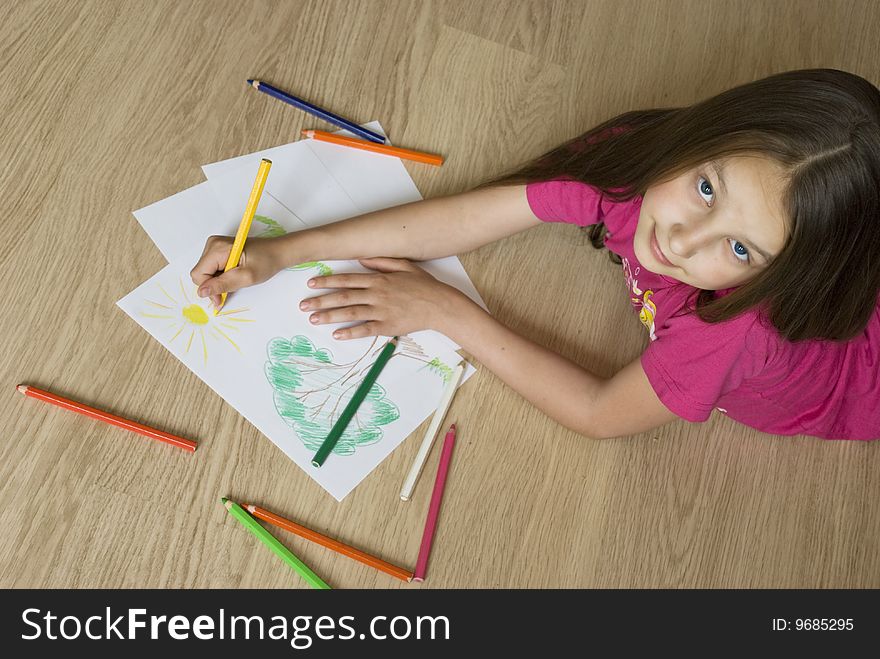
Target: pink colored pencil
434	508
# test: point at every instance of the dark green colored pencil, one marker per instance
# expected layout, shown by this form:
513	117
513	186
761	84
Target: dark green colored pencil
355	402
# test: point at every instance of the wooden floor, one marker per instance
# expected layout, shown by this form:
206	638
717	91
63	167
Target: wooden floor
109	106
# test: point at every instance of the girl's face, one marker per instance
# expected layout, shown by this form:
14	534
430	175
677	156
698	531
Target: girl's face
716	226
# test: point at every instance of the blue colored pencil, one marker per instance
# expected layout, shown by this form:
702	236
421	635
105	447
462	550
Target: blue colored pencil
266	88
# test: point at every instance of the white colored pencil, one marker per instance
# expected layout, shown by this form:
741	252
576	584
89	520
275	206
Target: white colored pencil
431	433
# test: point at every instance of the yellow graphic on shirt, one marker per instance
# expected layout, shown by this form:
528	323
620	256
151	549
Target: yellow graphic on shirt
647	313
641	300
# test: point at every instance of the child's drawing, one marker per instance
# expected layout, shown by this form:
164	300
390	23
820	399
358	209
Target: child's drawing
311	391
191	317
323	268
273	230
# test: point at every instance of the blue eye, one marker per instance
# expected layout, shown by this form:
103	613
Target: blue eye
704	187
739	250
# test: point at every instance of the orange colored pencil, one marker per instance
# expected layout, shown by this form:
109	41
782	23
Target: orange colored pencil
330	543
100	415
385	149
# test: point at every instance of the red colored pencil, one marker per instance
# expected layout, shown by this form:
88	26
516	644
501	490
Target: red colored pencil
434	508
330	543
100	415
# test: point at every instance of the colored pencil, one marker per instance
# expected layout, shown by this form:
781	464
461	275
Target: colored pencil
245	225
101	415
428	441
326	115
329	543
272	543
385	149
434	509
355	402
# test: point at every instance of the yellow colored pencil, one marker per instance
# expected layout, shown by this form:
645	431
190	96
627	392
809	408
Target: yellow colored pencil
245	225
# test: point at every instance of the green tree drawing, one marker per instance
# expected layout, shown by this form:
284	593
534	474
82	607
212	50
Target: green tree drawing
310	391
273	230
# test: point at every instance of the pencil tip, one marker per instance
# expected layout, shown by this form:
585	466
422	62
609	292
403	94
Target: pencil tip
223	500
452	427
250	81
22	388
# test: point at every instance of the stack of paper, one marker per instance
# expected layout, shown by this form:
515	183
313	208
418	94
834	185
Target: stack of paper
287	377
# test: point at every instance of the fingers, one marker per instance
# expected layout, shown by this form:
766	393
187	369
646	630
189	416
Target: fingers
363	280
343	281
386	264
342	298
344	315
226	282
213	259
345	306
359	331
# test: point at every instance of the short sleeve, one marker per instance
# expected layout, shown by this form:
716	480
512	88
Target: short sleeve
692	364
566	201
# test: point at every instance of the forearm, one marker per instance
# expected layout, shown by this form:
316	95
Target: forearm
418	231
558	387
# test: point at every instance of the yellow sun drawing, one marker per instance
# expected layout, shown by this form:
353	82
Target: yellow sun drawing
197	317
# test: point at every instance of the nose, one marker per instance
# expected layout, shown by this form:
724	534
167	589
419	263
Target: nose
686	238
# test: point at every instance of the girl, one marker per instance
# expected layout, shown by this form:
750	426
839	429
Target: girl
748	228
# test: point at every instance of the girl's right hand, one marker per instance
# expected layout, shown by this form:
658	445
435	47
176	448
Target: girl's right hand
259	261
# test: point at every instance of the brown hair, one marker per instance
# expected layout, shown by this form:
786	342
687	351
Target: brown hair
822	126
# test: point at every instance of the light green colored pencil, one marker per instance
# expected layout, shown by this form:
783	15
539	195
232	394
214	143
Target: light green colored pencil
272	543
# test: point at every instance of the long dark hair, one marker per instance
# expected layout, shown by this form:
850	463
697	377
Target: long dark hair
822	126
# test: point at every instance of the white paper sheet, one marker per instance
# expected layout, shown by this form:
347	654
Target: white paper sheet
291	379
180	225
287	377
370	182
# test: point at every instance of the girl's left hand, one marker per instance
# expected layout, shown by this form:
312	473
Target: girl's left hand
398	299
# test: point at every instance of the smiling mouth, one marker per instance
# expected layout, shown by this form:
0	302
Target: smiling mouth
658	254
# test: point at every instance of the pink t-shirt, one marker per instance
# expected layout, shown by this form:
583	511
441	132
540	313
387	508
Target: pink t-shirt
741	367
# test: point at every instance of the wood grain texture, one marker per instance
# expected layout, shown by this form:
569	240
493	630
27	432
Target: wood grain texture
109	106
